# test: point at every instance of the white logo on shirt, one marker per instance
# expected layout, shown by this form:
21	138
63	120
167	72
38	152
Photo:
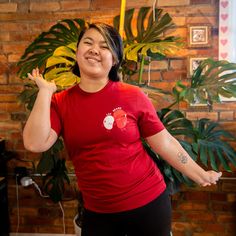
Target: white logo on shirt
118	117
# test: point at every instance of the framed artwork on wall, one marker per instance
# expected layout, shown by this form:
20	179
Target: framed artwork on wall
193	63
199	35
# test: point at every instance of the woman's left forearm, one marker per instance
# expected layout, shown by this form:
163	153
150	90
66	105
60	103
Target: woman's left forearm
171	151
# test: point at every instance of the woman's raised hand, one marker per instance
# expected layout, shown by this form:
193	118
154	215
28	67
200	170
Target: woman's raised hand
41	82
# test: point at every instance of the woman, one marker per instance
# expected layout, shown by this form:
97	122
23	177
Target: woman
102	122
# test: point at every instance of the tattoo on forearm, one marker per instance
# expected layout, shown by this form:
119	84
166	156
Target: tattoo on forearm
182	158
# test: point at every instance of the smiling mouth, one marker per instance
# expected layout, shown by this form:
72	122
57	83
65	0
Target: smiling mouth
92	59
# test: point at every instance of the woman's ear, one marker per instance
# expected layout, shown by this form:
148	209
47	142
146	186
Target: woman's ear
114	61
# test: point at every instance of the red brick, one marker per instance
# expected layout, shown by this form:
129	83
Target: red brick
222	197
224	106
203	234
197	2
17	36
154	76
223	206
228	126
231	197
197	196
162	3
8	7
137	4
4	68
10	125
229	186
181	226
231	228
4	117
4	89
75	5
14	57
166	86
4	36
44	6
39	27
187	206
11	107
174	75
103	4
201	216
13	26
159	65
15	47
214	227
177	64
8	98
223	217
226	115
198	115
212	20
3	79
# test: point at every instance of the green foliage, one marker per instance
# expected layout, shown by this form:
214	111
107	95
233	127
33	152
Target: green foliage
209	81
209	142
147	40
204	141
54	172
43	47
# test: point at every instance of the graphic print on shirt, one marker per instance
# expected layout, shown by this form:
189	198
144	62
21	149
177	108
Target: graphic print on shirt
118	117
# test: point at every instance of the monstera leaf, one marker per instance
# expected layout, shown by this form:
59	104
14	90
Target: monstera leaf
54	182
148	40
59	66
43	47
53	169
209	81
209	142
54	53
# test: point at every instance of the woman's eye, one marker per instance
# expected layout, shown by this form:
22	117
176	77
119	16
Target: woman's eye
104	47
88	43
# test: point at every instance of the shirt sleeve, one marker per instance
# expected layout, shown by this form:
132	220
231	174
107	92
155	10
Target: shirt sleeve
148	120
54	116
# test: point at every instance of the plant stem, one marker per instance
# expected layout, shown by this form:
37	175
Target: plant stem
141	69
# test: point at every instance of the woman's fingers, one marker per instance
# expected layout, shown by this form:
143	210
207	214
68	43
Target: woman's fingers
211	178
215	176
30	76
35	72
40	81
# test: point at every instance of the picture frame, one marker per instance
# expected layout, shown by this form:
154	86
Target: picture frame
199	35
193	63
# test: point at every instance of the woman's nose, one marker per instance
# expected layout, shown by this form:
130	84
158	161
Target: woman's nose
93	51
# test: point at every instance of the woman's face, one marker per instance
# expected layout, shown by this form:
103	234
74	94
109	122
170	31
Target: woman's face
93	55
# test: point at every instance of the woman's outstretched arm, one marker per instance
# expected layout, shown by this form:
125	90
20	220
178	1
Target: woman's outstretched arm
171	151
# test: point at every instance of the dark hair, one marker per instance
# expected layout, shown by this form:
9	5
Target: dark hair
114	43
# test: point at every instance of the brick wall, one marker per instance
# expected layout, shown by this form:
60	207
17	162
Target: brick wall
205	212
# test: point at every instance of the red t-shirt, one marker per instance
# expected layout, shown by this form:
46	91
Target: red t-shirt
102	133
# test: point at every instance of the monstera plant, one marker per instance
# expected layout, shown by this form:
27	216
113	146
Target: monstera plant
54	53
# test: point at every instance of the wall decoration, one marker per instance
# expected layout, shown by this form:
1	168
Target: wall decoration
193	63
227	34
199	35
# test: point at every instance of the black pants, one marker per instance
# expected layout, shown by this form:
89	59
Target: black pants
153	219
